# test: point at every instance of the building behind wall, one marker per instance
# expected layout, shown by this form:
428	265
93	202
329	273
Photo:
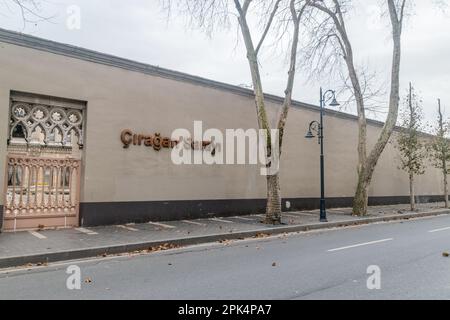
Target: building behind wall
63	163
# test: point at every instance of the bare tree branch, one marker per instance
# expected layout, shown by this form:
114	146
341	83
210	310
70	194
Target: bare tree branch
29	10
268	26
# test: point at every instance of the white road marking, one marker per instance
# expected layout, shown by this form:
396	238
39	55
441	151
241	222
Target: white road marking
37	235
162	225
360	245
128	228
194	223
291	216
439	230
336	211
302	214
87	231
242	218
221	220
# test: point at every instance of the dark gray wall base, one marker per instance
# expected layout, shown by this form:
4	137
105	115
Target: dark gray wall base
1	218
98	214
345	202
380	201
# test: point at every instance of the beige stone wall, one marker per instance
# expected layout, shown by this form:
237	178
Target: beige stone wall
120	99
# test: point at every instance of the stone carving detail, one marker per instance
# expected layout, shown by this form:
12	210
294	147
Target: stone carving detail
20	112
56	116
38	114
37	124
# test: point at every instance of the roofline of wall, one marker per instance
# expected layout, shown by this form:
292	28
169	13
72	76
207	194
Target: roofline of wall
28	41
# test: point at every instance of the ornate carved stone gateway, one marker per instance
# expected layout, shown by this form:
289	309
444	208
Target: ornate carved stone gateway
44	125
41	192
44	162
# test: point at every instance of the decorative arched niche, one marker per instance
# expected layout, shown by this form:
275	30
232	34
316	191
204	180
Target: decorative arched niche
45	122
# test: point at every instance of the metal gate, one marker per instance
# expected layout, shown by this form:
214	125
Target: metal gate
41	192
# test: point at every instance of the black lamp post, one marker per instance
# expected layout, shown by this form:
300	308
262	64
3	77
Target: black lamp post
318	128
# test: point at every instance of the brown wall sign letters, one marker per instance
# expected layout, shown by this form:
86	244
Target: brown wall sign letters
157	142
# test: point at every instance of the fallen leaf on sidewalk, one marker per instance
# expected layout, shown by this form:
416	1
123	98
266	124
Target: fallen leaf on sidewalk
163	247
274	264
446	254
261	235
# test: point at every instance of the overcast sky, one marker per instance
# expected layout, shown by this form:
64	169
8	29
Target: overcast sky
138	30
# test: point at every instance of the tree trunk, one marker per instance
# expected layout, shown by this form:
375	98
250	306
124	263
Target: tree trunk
366	165
365	173
411	192
446	190
273	184
443	152
361	200
274	208
273	211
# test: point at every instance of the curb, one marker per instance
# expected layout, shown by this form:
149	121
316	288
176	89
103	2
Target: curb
9	262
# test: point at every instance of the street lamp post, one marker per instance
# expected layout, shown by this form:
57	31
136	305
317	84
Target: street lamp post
318	128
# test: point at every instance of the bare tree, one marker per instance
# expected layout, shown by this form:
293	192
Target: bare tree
286	14
409	144
334	44
30	10
440	149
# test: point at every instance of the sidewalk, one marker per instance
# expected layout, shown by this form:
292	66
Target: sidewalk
27	247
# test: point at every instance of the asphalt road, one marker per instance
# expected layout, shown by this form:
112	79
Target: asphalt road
318	265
